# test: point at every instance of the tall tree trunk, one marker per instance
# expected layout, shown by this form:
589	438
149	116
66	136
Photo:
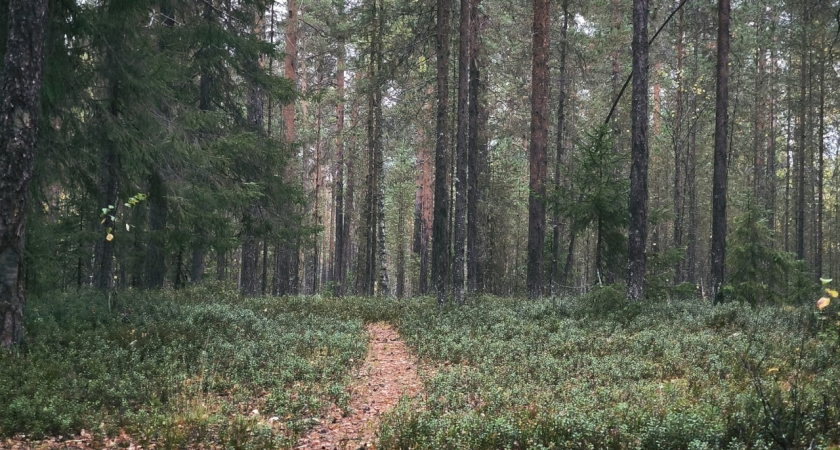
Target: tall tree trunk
818	256
461	158
679	192
473	197
802	134
638	170
719	188
287	257
559	157
770	182
382	285
21	109
440	227
103	265
339	270
537	154
249	264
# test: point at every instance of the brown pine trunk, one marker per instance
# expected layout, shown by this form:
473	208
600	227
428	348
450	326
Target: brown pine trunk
719	188
440	227
537	159
21	96
638	170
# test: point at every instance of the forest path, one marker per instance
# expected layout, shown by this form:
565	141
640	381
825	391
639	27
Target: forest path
388	373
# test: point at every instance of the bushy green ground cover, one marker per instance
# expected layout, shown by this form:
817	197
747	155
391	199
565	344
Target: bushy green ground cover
190	366
595	373
177	367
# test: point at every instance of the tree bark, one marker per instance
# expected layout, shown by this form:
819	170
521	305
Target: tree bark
560	154
440	226
638	170
719	188
339	270
802	135
21	109
460	235
679	192
476	131
249	264
537	159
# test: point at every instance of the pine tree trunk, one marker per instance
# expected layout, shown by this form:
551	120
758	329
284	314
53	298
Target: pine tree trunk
460	235
818	256
559	160
802	134
719	188
287	258
679	193
537	159
21	96
249	264
440	227
339	270
638	170
473	197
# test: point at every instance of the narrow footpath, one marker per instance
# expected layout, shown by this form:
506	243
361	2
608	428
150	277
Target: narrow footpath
388	373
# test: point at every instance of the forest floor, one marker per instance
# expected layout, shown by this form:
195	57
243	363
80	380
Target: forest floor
388	373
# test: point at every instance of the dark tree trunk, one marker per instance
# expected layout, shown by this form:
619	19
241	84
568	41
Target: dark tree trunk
21	109
538	148
461	158
248	279
197	264
473	197
559	157
156	247
770	201
719	188
221	265
440	227
249	264
818	256
637	238
679	192
339	270
803	107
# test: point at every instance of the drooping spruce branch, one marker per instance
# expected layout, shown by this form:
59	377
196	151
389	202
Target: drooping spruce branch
630	77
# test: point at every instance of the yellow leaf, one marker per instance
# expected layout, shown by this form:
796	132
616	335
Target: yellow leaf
823	303
110	237
773	370
832	293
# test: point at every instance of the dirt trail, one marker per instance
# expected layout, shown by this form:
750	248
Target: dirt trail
389	371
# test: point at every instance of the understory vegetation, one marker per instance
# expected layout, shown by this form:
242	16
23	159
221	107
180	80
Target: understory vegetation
192	366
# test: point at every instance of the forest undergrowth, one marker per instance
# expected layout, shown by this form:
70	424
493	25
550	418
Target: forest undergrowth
203	367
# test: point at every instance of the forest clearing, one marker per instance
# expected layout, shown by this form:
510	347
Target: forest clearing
206	368
419	224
